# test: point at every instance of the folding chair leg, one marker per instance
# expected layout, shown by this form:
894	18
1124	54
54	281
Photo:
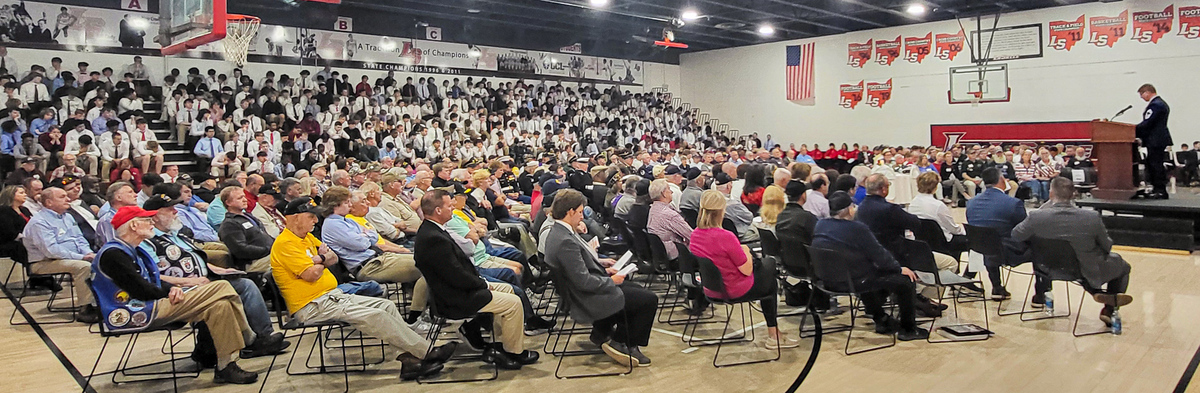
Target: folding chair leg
747	324
855	302
1045	316
1079	315
954	302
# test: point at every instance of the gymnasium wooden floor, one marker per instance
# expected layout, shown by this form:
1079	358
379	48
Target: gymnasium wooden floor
1161	336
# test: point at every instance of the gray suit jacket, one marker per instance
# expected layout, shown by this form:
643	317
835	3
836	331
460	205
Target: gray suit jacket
1085	231
580	280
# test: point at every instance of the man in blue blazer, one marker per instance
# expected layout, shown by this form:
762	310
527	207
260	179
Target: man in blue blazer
993	208
1152	133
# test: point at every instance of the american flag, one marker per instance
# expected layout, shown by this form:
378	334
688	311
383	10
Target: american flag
800	72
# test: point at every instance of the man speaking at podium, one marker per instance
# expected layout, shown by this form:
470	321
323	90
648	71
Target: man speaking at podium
1153	134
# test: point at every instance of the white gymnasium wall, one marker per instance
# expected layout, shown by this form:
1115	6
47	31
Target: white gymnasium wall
744	86
658	74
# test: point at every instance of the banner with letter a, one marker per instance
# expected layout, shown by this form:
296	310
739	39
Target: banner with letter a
1106	30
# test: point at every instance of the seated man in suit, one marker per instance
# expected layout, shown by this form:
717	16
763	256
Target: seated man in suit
300	265
794	227
597	294
458	289
1061	219
993	208
840	232
888	222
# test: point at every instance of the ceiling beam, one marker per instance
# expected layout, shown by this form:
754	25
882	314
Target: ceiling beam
747	23
827	12
773	15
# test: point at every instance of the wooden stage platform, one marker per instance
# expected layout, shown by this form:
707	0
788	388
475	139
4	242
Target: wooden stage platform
1171	224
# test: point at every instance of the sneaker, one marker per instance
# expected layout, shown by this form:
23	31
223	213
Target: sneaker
235	375
537	325
785	342
619	353
421	327
910	335
1037	301
642	360
999	293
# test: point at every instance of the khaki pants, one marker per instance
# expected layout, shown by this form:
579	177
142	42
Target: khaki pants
971	186
944	262
218	306
218	253
89	164
508	320
260	265
80	272
226	171
181	132
373	316
494	262
397	268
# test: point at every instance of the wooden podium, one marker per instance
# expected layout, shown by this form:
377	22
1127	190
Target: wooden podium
1112	145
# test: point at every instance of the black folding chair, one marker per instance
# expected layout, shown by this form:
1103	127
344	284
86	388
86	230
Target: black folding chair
563	351
320	339
689	215
728	225
669	270
710	277
123	368
63	279
770	244
828	268
440	321
1057	261
986	241
922	263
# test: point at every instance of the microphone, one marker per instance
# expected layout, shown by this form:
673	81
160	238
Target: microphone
1122	112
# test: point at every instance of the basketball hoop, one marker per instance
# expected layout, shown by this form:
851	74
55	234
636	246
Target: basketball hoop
239	31
976	97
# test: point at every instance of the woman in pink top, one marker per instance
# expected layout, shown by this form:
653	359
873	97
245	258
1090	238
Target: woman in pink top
743	278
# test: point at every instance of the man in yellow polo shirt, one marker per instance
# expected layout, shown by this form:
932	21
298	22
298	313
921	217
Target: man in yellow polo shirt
299	264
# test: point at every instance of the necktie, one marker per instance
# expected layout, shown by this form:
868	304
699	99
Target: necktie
212	147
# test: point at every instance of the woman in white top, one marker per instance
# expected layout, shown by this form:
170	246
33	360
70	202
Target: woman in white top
925	206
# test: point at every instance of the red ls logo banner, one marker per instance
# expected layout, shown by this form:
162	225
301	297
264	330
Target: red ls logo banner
1065	34
879	93
1189	22
948	45
860	54
1149	26
1106	30
886	51
851	95
916	48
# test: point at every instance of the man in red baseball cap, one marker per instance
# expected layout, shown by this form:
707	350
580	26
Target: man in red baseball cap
132	296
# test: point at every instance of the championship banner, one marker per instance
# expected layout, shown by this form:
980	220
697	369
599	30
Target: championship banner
1189	22
1149	26
851	95
1106	30
879	93
1070	132
916	48
948	45
860	54
887	51
1065	34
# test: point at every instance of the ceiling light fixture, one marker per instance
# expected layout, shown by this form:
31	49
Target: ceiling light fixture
598	3
473	10
766	30
690	15
916	9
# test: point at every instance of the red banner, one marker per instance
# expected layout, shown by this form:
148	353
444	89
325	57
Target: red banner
851	95
916	48
879	93
1149	26
948	135
1065	34
948	45
1106	30
886	51
860	54
1189	22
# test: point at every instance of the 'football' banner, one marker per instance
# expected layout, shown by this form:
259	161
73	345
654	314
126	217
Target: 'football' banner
860	54
851	95
879	93
1106	30
948	45
1065	34
887	51
1189	22
1149	26
916	48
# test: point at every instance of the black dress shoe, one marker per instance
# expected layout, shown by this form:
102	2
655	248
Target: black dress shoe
526	357
412	368
88	314
887	326
501	359
910	335
598	336
235	375
265	346
472	337
45	283
999	293
441	354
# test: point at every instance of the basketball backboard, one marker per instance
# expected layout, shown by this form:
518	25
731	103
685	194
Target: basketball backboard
975	84
187	24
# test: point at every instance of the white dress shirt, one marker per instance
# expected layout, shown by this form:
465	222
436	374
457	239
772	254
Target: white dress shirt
925	206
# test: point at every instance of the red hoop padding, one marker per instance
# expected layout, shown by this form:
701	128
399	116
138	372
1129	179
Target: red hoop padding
220	21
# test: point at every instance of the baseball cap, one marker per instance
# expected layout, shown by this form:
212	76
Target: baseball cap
692	173
128	213
672	170
270	189
159	201
795	189
301	205
839	200
723	178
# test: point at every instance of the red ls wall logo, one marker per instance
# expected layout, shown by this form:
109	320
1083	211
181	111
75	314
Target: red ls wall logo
887	51
916	48
860	54
1065	34
851	95
1149	26
1106	30
1189	22
948	45
879	93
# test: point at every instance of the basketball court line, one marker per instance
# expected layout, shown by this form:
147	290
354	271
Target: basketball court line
37	328
1188	373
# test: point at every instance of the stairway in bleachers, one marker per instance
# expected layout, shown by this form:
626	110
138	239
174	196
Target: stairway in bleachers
703	117
175	153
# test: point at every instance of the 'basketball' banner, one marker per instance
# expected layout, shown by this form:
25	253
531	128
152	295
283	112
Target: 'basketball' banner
1106	30
887	51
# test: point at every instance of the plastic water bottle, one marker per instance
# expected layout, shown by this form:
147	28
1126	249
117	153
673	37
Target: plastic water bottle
1116	322
1049	302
